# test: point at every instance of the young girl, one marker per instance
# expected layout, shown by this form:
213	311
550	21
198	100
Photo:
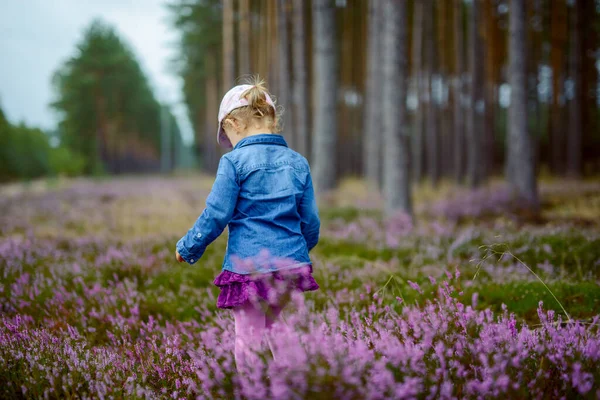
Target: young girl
263	192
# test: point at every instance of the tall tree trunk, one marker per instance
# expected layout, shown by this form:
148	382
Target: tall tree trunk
417	72
449	87
535	42
558	39
325	92
272	46
474	133
372	125
284	69
165	139
262	38
522	177
256	45
491	63
200	134
589	81
444	153
358	36
574	137
418	79
209	153
244	38
395	155
346	63
459	123
300	92
431	131
101	157
228	46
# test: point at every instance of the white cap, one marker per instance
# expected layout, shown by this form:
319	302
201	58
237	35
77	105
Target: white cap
233	99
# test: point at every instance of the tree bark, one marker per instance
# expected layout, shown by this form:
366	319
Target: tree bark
263	39
272	45
474	133
395	163
589	80
372	125
491	65
244	38
444	153
535	41
459	123
346	63
228	46
431	128
209	153
325	92
522	177
284	69
300	92
574	137
558	39
419	116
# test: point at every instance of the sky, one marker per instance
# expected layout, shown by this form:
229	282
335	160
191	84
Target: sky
37	36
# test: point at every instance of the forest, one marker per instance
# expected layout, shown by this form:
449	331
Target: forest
454	147
455	61
326	62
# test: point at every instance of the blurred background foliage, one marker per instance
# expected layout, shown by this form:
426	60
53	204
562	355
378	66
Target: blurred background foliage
110	120
456	61
25	152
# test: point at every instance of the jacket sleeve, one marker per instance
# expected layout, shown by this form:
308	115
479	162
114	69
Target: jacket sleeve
220	205
309	215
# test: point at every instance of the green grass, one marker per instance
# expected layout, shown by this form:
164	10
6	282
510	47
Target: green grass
347	214
581	300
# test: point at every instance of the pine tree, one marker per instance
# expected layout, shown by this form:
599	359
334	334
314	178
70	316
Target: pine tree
300	79
396	186
520	155
109	113
372	122
325	92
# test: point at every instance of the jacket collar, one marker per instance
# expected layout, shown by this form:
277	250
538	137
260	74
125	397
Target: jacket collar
262	138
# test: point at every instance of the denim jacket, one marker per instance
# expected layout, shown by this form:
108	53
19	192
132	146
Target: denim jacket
263	192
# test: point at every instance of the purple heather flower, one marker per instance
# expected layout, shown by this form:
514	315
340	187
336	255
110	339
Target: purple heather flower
415	286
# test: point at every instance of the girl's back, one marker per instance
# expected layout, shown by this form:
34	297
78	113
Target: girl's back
275	212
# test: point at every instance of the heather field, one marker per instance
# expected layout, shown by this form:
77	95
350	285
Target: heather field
472	299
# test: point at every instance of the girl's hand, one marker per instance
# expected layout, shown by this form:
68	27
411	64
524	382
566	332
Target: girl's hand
178	256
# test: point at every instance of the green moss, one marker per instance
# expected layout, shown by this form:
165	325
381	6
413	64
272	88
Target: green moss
347	214
571	253
331	247
581	300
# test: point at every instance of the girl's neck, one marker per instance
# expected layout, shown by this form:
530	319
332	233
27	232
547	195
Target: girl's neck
249	132
256	131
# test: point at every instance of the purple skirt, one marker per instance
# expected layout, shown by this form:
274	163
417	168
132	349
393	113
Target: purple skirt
237	289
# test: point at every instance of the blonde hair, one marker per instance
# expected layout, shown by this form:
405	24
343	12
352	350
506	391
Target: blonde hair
257	108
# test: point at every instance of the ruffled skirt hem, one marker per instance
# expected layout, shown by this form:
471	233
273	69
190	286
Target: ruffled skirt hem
237	289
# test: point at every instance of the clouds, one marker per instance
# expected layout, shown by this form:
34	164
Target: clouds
37	36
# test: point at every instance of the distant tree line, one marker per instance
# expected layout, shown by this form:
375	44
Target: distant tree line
26	153
110	121
337	58
109	114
